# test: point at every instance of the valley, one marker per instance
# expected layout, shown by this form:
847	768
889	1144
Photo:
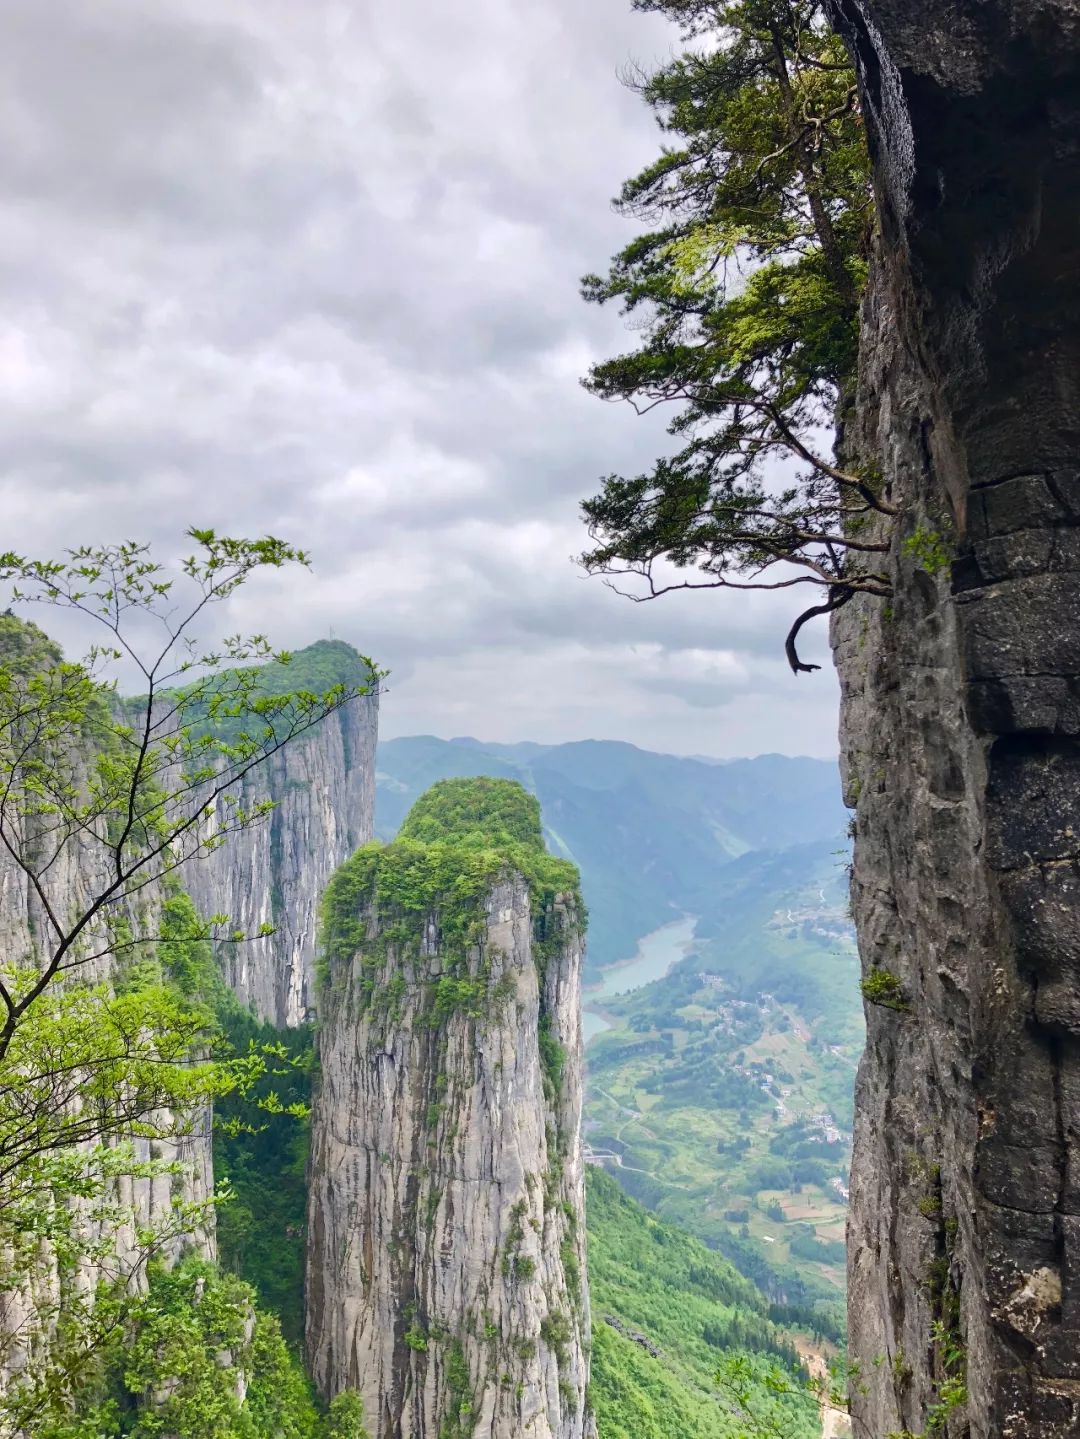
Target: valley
721	1093
722	1042
441	1106
652	832
657	954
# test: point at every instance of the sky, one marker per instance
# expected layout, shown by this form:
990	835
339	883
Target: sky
311	269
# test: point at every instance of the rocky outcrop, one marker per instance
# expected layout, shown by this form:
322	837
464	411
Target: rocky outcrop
323	788
446	1260
961	719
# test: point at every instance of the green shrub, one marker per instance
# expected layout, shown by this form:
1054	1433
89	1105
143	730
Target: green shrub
173	1364
416	1338
552	1059
883	988
345	1419
929	549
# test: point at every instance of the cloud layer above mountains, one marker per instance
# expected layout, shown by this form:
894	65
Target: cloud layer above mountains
311	269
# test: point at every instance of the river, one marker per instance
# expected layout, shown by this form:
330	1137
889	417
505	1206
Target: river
657	953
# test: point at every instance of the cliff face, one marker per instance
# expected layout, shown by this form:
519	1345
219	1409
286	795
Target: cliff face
961	717
29	1312
446	1258
323	785
323	788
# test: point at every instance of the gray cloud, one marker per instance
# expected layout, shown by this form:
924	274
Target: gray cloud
312	270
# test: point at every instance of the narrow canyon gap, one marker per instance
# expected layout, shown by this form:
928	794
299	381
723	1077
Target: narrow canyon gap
960	725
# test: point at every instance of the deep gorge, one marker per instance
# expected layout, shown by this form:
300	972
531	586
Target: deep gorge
414	1223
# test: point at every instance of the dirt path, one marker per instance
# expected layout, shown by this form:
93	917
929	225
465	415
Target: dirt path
633	1116
835	1424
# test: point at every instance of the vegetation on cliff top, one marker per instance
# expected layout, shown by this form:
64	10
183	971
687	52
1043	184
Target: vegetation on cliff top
480	811
322	669
460	838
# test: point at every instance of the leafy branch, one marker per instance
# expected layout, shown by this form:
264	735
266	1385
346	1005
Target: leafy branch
745	290
131	791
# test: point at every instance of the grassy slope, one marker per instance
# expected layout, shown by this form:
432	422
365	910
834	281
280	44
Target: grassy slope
657	1281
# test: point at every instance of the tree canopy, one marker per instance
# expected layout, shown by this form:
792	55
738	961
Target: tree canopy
482	810
126	793
745	290
461	837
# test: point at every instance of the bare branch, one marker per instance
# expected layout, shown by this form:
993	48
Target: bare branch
840	596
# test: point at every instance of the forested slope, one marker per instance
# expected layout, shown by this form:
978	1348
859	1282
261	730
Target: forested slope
668	1314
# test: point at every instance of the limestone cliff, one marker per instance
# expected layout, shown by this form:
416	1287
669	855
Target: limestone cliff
446	1256
323	788
182	1153
960	725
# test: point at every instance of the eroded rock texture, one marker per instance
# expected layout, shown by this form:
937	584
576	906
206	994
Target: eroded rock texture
446	1252
323	787
961	717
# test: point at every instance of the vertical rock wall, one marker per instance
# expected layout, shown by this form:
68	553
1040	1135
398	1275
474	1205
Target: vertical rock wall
323	787
961	719
446	1260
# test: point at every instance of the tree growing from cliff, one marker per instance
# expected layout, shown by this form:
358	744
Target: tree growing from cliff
745	289
106	1013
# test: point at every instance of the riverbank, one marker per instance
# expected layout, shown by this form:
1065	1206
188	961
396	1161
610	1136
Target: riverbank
657	954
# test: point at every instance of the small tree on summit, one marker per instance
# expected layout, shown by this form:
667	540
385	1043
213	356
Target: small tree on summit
747	295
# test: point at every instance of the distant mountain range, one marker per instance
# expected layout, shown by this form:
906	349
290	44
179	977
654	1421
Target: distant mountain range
757	850
651	833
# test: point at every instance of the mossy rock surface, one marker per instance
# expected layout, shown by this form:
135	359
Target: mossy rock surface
460	839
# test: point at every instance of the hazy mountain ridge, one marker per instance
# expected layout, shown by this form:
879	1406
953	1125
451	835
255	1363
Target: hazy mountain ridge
651	833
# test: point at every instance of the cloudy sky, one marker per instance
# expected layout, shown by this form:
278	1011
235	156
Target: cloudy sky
309	268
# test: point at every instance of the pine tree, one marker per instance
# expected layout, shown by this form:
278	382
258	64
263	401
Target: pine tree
746	291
